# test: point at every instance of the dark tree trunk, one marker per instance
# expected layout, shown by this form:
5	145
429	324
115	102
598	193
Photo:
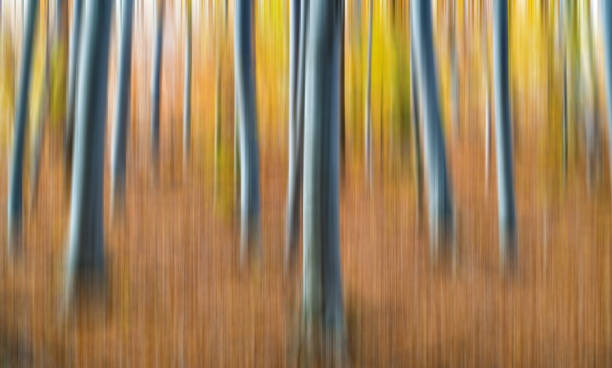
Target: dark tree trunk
155	85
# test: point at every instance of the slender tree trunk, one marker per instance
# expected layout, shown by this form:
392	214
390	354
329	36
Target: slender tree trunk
368	103
342	94
297	143
15	193
322	287
439	190
75	40
607	38
86	236
592	118
416	118
122	111
454	68
43	109
249	151
503	138
155	85
486	71
187	93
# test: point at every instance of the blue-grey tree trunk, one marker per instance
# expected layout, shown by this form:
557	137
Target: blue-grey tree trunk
296	138
75	41
503	138
368	104
86	235
416	130
122	112
322	287
439	190
15	193
249	151
155	84
187	93
607	38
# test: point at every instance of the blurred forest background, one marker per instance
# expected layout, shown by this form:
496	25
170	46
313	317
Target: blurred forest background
176	292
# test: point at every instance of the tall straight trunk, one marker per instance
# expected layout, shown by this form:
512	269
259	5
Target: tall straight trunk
43	110
155	85
486	74
342	94
292	225
296	167
86	235
122	111
592	118
249	150
416	118
75	40
607	38
236	146
187	93
322	287
503	138
439	190
368	103
454	67
15	193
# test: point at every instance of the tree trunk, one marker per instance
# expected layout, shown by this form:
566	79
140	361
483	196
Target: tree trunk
86	237
607	38
155	86
43	109
322	288
15	193
454	68
439	190
249	150
503	138
75	41
368	103
416	118
187	93
122	111
342	94
297	143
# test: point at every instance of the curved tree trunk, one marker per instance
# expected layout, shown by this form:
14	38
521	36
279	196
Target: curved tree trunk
296	167
123	105
503	138
187	93
155	85
15	193
439	191
75	41
85	262
322	287
249	150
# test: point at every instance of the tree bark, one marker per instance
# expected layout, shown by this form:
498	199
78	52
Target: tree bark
322	288
85	261
155	85
439	190
503	138
122	112
249	150
15	193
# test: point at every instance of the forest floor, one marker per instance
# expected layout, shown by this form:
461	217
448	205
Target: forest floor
176	295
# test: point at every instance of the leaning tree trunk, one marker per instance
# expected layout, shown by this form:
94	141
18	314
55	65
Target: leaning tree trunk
607	38
368	103
155	85
123	105
439	191
75	40
249	150
503	139
15	193
322	287
187	93
86	243
296	144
